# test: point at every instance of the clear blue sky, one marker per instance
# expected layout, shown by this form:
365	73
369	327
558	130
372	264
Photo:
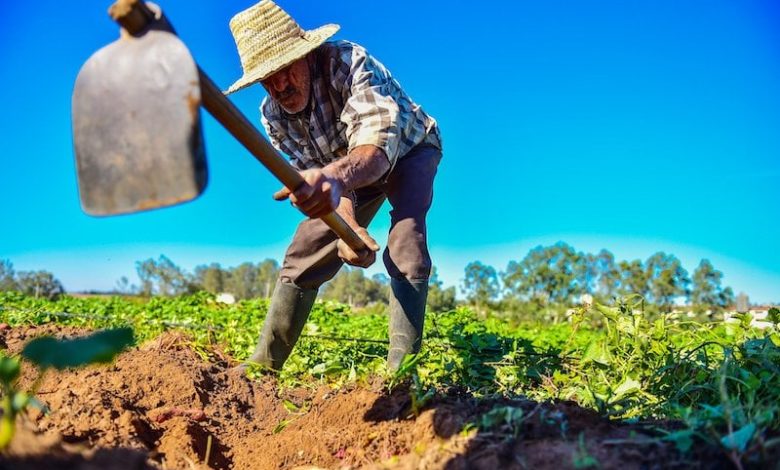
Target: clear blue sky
632	126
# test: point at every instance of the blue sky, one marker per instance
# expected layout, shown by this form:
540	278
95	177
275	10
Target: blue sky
632	126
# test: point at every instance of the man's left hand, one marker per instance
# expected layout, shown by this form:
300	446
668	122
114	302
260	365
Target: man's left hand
318	197
362	259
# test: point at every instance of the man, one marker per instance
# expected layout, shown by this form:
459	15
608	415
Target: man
357	140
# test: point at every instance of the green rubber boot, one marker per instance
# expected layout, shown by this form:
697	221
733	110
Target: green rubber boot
287	315
407	314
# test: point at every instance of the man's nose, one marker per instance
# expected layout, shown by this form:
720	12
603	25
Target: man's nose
279	82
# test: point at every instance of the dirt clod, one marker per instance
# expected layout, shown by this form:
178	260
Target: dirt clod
161	416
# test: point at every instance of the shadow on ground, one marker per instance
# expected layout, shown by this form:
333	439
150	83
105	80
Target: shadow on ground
105	459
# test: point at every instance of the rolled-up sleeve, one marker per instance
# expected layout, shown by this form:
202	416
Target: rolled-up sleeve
371	113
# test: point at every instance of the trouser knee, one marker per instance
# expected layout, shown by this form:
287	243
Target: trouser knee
406	255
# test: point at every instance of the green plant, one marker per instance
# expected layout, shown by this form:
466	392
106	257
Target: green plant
721	381
505	420
581	457
14	401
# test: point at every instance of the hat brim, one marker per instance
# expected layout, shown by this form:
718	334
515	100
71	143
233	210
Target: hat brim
307	43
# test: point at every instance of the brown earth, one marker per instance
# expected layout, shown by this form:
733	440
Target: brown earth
162	406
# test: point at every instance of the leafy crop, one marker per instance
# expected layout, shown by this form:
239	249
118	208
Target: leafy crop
719	380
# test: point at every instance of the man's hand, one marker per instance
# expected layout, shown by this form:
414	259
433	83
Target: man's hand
319	197
363	259
361	167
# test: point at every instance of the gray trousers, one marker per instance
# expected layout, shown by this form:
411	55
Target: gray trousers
312	258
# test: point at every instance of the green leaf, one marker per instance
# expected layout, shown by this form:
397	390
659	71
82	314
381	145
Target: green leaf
597	353
627	387
683	440
37	404
20	401
282	424
467	428
501	416
61	354
738	440
712	412
774	315
290	406
610	313
9	369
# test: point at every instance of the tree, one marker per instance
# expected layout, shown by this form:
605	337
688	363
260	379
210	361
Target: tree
439	298
668	280
480	284
351	286
212	278
584	270
244	281
633	279
7	281
247	280
39	284
163	277
123	286
743	302
145	270
608	274
380	288
555	273
707	293
267	272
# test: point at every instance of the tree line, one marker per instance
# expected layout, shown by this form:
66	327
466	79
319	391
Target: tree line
559	275
249	280
38	284
163	277
548	277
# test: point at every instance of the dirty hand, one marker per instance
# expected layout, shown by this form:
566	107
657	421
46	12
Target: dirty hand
318	197
363	259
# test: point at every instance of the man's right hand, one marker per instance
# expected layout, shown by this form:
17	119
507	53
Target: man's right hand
319	197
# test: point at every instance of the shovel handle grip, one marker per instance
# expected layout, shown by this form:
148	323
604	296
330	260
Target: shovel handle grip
132	15
135	16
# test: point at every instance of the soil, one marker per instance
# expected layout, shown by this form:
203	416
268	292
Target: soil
164	406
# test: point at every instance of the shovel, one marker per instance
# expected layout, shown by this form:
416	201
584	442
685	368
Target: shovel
136	123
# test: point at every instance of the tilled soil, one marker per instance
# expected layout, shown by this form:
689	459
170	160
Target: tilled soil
161	405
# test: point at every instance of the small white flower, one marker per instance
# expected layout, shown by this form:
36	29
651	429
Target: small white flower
586	300
226	298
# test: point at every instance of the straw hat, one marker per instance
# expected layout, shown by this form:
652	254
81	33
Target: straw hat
268	40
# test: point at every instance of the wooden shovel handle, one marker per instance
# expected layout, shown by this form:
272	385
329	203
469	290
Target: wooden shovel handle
134	16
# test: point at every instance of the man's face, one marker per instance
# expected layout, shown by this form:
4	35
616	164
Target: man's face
290	86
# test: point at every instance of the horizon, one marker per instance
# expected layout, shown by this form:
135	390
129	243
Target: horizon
446	275
634	128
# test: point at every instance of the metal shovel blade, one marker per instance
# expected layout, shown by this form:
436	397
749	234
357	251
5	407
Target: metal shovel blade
136	126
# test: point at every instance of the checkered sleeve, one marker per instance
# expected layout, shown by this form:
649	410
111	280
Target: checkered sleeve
371	111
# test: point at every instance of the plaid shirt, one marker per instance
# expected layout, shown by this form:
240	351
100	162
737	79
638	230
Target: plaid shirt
354	101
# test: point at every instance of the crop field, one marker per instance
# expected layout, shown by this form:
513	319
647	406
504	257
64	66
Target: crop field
608	387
